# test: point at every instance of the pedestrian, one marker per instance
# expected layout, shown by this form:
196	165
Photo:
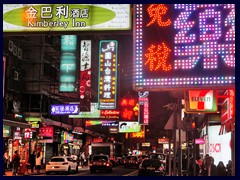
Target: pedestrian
221	169
16	163
205	165
213	168
229	168
5	161
38	162
83	159
32	161
199	163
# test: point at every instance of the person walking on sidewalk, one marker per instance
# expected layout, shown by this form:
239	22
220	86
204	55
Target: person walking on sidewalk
38	162
5	161
32	161
16	163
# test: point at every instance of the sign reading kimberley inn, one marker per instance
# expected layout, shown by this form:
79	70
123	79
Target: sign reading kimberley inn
183	46
65	17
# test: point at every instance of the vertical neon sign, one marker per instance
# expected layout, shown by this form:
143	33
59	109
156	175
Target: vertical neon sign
68	63
85	76
107	74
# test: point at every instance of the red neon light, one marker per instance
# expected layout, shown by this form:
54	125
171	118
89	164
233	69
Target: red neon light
156	11
127	114
128	102
157	57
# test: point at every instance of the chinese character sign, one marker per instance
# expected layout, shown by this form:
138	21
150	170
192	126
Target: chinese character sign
184	45
68	63
63	109
65	17
85	76
107	74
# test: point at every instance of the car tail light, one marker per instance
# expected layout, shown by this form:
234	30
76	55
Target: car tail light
90	164
107	164
65	163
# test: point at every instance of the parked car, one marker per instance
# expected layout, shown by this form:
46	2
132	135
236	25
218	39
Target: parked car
100	163
151	167
131	162
61	164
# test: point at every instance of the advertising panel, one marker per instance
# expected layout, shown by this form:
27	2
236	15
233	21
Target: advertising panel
94	113
107	74
46	131
183	46
68	63
219	145
85	76
204	101
65	17
63	109
126	126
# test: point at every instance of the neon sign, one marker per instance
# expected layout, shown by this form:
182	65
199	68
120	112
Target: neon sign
68	63
107	74
184	45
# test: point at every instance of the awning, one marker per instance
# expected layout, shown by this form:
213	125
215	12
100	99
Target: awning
12	123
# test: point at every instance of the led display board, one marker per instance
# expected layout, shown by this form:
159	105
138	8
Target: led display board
126	126
107	74
63	109
68	63
183	46
65	17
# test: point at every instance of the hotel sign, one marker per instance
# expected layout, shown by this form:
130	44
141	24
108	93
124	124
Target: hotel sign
204	101
65	17
62	109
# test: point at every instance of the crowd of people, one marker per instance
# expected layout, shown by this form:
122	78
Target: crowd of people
202	166
207	167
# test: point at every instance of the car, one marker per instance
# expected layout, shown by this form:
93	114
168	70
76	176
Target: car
162	157
131	161
100	163
151	167
61	164
141	157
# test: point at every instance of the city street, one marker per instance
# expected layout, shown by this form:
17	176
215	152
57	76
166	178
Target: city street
117	171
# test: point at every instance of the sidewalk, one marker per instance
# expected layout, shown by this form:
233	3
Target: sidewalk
42	171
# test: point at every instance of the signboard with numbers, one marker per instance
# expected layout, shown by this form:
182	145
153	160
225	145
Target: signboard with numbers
183	46
65	17
107	74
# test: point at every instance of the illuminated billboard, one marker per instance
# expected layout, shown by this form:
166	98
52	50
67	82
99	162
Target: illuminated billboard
85	75
204	101
68	63
94	113
63	109
107	74
65	17
126	126
183	46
